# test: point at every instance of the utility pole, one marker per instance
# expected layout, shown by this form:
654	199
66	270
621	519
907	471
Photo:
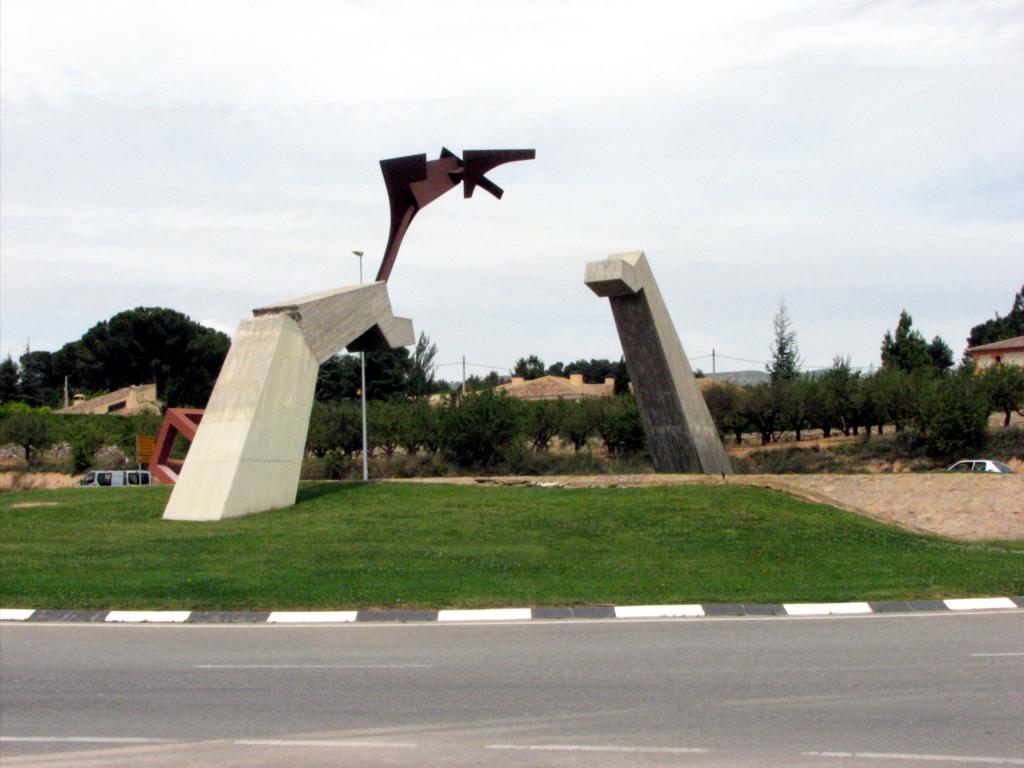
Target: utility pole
362	389
65	391
713	363
463	375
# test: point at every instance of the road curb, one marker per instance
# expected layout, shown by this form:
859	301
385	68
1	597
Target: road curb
694	610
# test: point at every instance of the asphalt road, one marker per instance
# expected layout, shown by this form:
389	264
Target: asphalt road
852	691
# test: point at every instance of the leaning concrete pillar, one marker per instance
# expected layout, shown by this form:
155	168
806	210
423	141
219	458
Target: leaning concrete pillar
248	450
680	432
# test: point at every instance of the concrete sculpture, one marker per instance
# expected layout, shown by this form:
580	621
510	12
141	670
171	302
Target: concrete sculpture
680	431
248	449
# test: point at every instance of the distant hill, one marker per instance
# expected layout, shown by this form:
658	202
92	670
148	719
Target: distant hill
743	378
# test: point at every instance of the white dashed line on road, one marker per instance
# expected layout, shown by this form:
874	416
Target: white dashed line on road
589	748
960	759
983	655
486	614
312	666
84	740
979	603
323	743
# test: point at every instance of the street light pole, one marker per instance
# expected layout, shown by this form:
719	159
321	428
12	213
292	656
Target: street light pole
362	389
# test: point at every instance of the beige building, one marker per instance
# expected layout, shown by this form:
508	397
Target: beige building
128	401
557	388
1008	351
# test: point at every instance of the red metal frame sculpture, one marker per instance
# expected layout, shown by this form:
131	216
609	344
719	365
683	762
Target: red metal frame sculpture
177	421
413	182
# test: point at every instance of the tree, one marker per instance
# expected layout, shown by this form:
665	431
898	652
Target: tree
941	355
417	426
85	436
621	427
785	362
836	393
384	425
580	421
725	402
896	398
1000	328
480	430
31	429
334	427
476	383
954	414
421	367
906	350
1004	385
9	380
388	375
38	384
529	367
796	400
141	345
760	407
544	420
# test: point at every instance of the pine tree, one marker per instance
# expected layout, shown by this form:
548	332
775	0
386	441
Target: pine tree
8	380
941	354
785	362
906	350
1000	328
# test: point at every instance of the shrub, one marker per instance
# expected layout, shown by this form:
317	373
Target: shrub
544	420
621	428
479	430
580	421
31	429
954	414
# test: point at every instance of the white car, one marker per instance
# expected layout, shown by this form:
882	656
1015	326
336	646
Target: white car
116	477
981	465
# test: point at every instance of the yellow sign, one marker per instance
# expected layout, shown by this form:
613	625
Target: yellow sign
144	447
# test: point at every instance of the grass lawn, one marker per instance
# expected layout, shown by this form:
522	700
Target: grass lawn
390	545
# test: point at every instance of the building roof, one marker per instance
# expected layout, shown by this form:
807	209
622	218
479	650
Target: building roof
1017	342
554	387
124	402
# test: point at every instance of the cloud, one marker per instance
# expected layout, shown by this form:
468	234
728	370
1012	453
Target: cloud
856	158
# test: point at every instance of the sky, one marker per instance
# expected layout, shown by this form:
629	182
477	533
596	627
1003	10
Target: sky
850	159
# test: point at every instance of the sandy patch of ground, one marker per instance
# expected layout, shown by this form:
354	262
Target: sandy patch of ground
967	507
28	481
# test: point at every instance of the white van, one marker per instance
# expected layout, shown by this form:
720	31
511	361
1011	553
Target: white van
117	477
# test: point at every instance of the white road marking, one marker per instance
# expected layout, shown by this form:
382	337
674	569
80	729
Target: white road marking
323	743
979	603
920	758
1015	653
15	614
402	626
312	666
657	611
825	609
158	617
486	614
307	617
588	748
85	740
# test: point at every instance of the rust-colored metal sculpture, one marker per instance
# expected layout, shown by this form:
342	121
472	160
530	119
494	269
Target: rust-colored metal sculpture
177	421
413	182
